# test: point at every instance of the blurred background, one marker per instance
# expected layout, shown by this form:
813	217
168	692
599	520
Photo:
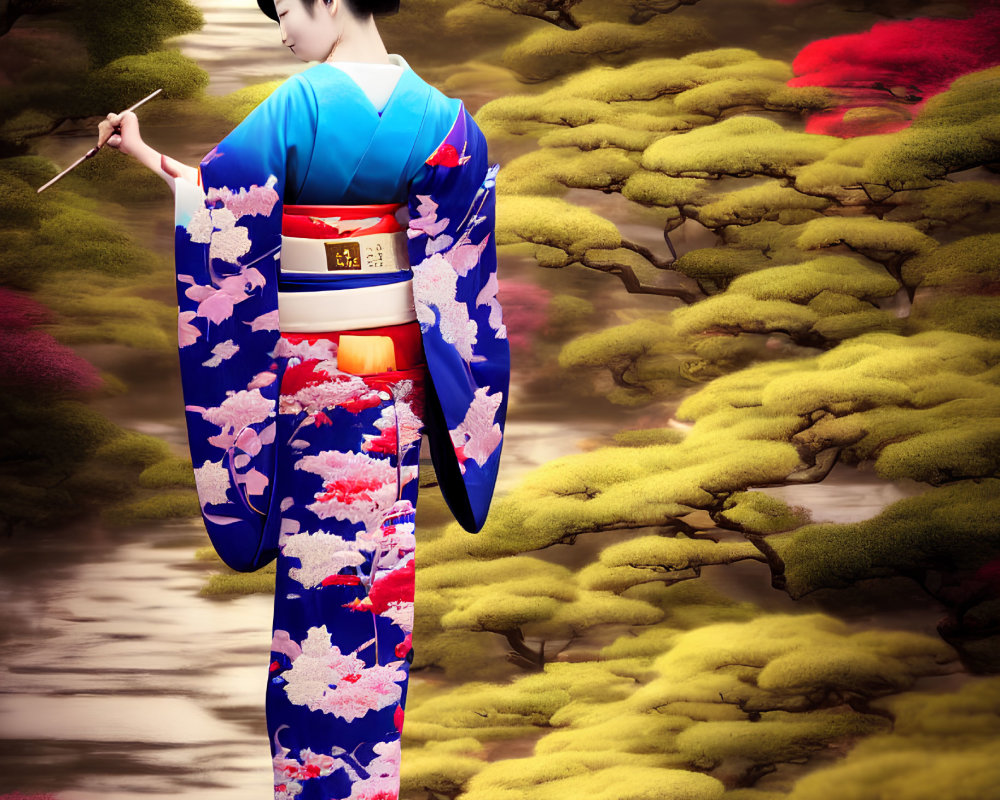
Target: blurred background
746	543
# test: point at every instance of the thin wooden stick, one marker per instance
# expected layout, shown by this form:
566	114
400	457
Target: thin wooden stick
94	150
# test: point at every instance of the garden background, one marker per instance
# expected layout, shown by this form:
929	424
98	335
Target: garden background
746	545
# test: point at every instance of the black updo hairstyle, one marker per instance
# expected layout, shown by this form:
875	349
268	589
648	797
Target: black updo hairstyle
361	8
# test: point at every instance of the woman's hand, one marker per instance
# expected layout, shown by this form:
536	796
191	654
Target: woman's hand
120	131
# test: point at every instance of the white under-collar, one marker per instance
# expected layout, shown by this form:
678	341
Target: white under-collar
377	81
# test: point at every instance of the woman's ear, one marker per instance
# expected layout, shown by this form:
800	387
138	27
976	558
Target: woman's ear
332	7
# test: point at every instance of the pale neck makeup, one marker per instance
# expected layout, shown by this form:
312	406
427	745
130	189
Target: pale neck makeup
329	33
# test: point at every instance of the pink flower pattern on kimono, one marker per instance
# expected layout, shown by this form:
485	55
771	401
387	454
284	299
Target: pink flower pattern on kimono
216	303
187	334
393	542
399	424
465	256
383	783
289	772
344	390
237	412
356	487
212	481
324	679
427	223
221	352
257	200
321	555
478	435
320	350
488	297
265	322
217	227
435	285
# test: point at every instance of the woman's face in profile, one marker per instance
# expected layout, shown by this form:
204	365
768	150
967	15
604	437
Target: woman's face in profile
309	37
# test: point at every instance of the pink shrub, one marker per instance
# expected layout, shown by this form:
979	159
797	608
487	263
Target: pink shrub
19	796
525	311
30	359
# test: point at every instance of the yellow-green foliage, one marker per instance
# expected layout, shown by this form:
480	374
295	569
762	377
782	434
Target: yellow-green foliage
948	528
715	267
552	171
112	316
568	311
713	98
440	767
646	358
642	437
962	313
114	28
169	472
775	737
127	80
236	583
776	663
598	777
643	644
524	594
955	130
236	105
732	312
617	487
136	449
874	370
656	189
803	300
946	204
554	222
728	695
940	746
630	105
758	512
62	233
688	605
965	263
866	235
732	696
649	558
770	200
736	146
599	135
951	133
166	505
490	712
553	51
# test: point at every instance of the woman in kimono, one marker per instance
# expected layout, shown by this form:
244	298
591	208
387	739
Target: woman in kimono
336	277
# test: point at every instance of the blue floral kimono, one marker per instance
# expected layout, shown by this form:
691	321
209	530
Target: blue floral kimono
298	461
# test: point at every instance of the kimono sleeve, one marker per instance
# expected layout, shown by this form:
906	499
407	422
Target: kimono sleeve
227	242
453	253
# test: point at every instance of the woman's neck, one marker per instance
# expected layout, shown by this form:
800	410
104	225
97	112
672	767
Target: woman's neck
359	42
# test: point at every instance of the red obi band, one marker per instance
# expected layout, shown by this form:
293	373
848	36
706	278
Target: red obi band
405	340
335	222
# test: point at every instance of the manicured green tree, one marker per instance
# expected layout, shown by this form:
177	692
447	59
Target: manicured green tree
529	602
941	745
116	28
735	700
919	407
92	58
